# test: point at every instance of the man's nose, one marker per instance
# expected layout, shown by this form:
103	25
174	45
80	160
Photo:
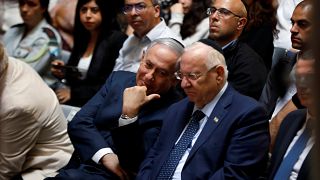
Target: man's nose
185	82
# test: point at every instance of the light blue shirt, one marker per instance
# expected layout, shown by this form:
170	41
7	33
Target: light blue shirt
131	51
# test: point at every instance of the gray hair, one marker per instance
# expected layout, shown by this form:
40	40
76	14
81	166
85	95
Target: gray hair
171	43
155	2
216	58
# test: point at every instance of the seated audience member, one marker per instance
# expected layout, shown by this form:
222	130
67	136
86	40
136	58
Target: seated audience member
144	17
63	15
34	143
279	89
292	152
34	41
215	133
261	29
188	20
282	43
247	72
97	45
115	129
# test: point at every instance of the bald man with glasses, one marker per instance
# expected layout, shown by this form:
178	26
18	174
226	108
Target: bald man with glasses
247	72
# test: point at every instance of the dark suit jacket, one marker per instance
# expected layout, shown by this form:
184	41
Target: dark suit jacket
260	39
93	126
288	130
277	82
247	72
235	147
102	63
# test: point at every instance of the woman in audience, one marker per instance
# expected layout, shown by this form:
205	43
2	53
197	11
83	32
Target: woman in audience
261	28
97	42
34	41
189	20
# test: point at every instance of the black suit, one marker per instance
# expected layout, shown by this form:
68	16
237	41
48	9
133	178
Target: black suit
247	72
95	127
278	82
288	130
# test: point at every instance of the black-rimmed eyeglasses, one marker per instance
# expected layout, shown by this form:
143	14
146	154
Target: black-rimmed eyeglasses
222	12
137	7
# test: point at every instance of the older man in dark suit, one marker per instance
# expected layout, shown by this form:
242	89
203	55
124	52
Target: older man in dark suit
114	130
215	133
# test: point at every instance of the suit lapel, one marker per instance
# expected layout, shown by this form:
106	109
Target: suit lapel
290	132
215	119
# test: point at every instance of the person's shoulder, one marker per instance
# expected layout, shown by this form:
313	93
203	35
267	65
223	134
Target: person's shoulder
122	75
51	32
242	100
20	25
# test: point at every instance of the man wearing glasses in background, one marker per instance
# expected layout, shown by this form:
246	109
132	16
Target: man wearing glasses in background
216	133
144	17
247	72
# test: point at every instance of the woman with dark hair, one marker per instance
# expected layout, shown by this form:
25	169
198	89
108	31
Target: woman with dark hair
189	20
261	28
97	41
34	41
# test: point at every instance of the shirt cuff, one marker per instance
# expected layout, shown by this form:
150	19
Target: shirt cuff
176	18
99	154
123	122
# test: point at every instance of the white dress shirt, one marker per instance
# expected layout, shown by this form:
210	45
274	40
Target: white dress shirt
303	155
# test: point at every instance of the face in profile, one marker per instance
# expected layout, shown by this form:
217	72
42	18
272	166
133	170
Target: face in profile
142	15
304	75
31	12
301	29
157	68
90	16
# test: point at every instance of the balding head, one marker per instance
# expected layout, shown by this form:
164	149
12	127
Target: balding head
228	21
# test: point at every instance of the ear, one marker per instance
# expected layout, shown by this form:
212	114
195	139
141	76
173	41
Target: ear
242	23
157	11
220	72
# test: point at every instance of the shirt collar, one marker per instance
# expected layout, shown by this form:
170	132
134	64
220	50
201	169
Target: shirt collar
208	108
155	31
229	44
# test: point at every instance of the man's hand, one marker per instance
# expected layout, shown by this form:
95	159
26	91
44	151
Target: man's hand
134	98
56	68
111	162
176	8
63	94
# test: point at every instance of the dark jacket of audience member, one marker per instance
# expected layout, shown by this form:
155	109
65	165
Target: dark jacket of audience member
247	72
104	55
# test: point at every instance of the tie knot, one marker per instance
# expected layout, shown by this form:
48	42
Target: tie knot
198	115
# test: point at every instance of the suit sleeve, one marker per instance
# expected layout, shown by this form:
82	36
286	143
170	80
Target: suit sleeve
83	133
19	134
247	153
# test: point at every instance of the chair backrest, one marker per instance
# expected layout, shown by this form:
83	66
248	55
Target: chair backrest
69	111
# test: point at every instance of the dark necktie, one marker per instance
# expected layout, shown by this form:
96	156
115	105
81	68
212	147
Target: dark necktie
180	148
286	166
